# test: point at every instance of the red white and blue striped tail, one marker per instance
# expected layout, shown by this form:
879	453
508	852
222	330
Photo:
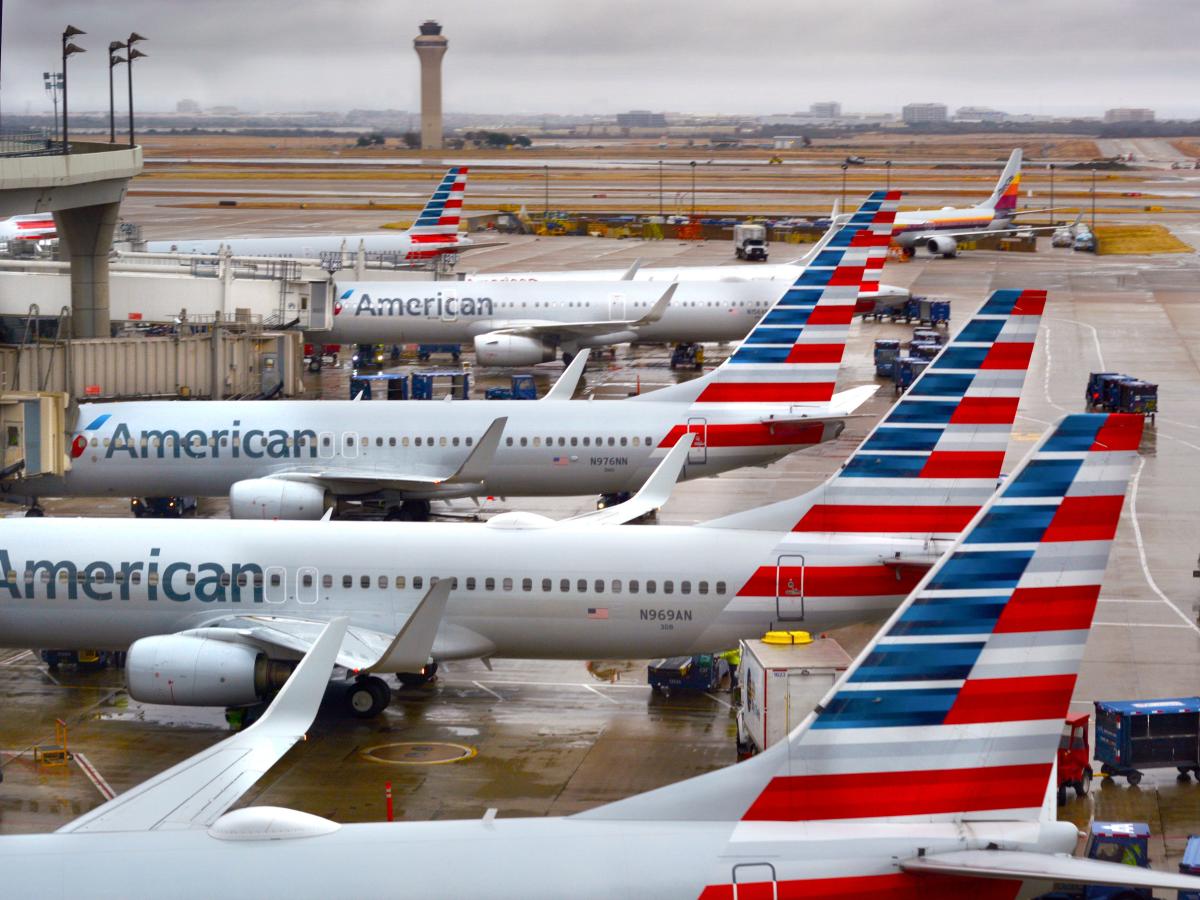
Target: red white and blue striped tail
934	459
441	214
954	710
792	355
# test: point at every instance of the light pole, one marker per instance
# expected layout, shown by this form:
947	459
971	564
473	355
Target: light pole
53	82
68	49
845	166
693	165
660	189
888	167
114	60
1051	193
130	55
1093	200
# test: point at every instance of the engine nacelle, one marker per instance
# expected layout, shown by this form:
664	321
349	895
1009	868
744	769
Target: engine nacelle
511	350
277	498
942	246
187	670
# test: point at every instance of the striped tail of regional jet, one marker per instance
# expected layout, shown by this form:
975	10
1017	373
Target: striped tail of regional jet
1004	197
936	456
439	220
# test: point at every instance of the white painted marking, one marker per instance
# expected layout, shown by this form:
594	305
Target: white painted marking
618	684
1140	625
718	700
597	693
1141	547
93	775
489	690
1117	600
1095	337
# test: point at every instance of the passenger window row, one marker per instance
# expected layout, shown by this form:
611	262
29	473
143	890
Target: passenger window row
586	441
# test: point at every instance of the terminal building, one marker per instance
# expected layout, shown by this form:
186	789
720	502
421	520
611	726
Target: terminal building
923	113
1128	114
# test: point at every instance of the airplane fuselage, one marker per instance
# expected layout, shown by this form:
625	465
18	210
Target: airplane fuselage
546	591
911	227
398	244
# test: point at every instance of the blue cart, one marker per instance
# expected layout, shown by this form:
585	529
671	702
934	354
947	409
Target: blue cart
1132	735
1138	397
1125	843
424	351
906	370
456	381
392	385
886	351
1190	865
523	388
704	672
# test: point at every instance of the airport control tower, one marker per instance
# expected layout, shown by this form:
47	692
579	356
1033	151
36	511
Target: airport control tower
431	47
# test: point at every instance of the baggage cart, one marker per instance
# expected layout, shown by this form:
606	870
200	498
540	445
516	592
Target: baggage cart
906	370
703	672
886	351
1190	865
392	386
1132	735
1139	397
438	384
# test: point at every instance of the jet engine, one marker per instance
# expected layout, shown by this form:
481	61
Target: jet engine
277	498
942	246
511	350
188	670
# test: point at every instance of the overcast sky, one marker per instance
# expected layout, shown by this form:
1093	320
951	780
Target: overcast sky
535	56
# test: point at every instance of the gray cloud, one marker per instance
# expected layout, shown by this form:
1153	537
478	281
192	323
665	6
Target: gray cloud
537	56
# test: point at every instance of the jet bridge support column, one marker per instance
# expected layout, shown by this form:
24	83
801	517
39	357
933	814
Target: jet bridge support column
85	235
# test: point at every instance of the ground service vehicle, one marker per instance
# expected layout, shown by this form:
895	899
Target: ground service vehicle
1125	843
161	507
782	678
702	672
523	388
1074	758
1148	734
750	241
392	386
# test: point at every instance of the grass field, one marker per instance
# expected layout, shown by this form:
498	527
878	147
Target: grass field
1128	239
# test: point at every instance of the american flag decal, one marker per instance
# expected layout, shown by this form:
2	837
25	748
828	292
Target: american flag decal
562	460
597	612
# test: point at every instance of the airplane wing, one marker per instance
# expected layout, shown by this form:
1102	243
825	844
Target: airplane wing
653	494
568	381
195	793
591	329
840	408
969	233
473	470
1024	866
361	650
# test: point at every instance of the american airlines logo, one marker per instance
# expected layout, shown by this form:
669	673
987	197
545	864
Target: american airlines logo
233	443
428	307
208	582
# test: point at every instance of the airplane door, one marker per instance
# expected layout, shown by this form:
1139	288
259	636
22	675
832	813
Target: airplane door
449	305
306	584
350	444
326	448
754	877
698	452
789	588
616	307
275	584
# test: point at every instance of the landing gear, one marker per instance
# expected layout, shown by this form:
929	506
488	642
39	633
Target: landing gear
417	679
409	511
607	500
34	512
367	697
567	357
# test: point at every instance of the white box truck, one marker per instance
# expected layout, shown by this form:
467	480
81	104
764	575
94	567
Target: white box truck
782	678
750	241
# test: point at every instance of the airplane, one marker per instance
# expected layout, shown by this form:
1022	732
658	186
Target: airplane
297	459
39	227
940	230
523	322
434	232
926	771
213	611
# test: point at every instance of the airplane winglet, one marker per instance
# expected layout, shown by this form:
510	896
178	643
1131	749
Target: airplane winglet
475	467
632	270
564	388
658	309
196	792
654	493
409	650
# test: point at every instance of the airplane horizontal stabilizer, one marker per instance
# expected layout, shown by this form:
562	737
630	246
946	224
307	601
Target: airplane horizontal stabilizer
654	493
197	791
1026	866
568	381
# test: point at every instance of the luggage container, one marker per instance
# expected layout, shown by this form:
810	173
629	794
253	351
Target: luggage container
1125	843
782	678
703	672
1132	735
438	384
939	312
906	370
391	386
928	336
1094	395
1137	397
523	388
425	351
886	351
925	350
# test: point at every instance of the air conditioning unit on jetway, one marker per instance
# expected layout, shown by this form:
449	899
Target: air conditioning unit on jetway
34	430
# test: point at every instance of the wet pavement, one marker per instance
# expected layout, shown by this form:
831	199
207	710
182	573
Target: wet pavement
556	737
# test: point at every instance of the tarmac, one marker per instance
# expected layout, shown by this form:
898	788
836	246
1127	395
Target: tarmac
541	738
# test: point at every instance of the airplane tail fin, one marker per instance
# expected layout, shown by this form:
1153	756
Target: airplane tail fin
954	710
441	214
935	457
1004	197
792	355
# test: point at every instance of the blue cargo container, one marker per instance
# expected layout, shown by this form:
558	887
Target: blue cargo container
886	351
906	370
1124	843
1190	865
459	386
391	385
1132	735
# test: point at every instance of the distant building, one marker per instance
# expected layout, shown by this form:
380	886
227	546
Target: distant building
1128	114
979	114
187	106
923	113
826	110
641	118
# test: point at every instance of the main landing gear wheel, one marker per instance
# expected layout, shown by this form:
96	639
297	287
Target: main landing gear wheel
368	697
416	679
409	511
34	512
